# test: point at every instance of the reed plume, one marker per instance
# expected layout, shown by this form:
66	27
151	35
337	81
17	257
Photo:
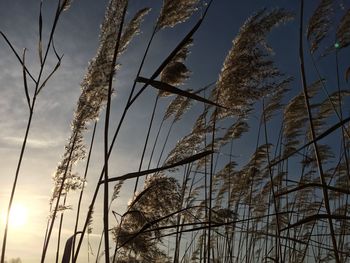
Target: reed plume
343	31
93	97
232	207
132	29
274	102
248	71
174	12
295	118
160	197
175	73
66	4
319	24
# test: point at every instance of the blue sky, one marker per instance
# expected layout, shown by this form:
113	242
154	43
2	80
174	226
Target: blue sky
77	39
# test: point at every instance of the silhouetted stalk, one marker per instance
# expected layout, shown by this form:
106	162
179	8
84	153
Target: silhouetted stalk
131	100
20	60
313	226
313	134
106	141
185	179
267	228
278	229
102	235
88	245
83	188
229	241
338	114
205	191
343	139
233	238
60	231
229	200
37	88
148	227
203	224
173	53
344	130
165	143
155	144
280	169
188	247
128	104
240	235
47	226
146	141
15	181
319	209
53	216
211	175
251	190
166	139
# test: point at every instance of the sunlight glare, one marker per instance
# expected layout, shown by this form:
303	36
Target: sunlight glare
18	216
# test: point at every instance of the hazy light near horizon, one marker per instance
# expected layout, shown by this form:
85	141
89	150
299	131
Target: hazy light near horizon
18	217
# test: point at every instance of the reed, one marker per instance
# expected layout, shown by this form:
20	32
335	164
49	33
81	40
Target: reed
262	175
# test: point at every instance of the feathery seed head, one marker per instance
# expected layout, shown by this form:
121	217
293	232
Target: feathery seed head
248	72
132	29
66	5
176	73
175	12
94	93
343	31
319	24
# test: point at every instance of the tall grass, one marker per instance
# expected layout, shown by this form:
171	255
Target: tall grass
287	201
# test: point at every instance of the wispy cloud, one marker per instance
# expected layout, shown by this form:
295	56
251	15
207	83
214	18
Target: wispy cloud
31	143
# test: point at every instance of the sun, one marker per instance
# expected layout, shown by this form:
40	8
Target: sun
18	216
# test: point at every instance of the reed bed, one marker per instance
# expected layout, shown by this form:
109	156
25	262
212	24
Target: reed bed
204	196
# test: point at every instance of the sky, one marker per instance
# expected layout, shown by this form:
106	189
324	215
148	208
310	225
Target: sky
77	38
